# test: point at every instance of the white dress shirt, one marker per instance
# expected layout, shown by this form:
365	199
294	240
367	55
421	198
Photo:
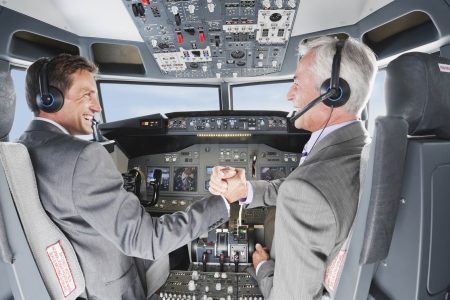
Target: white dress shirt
52	122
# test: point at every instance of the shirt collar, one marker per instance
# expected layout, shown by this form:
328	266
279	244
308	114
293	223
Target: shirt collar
316	136
52	122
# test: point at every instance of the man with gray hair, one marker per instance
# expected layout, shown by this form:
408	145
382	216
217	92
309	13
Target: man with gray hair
316	204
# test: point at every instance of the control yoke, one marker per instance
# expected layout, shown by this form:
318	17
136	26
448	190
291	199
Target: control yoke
155	183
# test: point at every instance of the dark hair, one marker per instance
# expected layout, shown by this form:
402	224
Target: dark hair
59	71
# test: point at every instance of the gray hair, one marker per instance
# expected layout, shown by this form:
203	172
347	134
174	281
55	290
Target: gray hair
358	68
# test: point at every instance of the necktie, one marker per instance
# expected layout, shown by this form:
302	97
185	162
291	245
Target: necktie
303	157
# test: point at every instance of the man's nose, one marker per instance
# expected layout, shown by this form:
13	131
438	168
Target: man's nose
96	106
290	94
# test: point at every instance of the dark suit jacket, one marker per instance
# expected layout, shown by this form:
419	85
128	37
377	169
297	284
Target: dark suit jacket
82	191
316	205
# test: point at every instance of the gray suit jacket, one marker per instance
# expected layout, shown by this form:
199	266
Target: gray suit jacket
82	191
316	205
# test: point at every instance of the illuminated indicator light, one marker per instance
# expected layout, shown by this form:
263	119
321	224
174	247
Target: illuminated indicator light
201	36
180	38
224	135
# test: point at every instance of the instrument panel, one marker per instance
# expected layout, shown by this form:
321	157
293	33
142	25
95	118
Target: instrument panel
218	262
230	124
185	173
155	134
215	39
174	158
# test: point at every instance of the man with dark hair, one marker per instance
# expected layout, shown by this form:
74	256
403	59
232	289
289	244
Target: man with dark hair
58	73
115	239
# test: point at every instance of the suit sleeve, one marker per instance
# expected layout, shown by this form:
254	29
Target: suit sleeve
304	238
265	192
101	200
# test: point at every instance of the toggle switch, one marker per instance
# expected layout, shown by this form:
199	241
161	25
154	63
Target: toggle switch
211	7
191	286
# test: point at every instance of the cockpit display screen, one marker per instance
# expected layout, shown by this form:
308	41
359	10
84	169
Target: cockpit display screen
185	179
165	178
209	170
271	173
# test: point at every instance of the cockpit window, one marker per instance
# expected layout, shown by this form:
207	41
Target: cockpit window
23	115
123	101
265	96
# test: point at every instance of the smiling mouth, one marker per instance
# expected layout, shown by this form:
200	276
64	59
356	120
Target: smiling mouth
88	117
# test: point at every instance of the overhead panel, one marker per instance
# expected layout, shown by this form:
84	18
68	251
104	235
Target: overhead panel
215	39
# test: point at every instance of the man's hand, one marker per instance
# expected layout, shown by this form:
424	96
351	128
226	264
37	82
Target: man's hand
217	182
237	186
259	255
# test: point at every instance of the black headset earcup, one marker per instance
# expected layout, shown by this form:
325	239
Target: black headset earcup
51	102
341	98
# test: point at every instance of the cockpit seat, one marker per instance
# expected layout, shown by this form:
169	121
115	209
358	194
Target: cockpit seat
400	248
35	256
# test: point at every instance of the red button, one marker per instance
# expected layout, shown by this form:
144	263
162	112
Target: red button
201	36
180	38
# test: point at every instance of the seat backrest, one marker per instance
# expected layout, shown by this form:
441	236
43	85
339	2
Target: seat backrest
36	257
417	98
418	265
381	172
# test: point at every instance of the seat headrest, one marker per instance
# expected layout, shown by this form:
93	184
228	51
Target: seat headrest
418	90
7	104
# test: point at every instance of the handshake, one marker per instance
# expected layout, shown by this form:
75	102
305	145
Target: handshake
228	182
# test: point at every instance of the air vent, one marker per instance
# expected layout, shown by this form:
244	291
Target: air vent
30	46
407	32
118	59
